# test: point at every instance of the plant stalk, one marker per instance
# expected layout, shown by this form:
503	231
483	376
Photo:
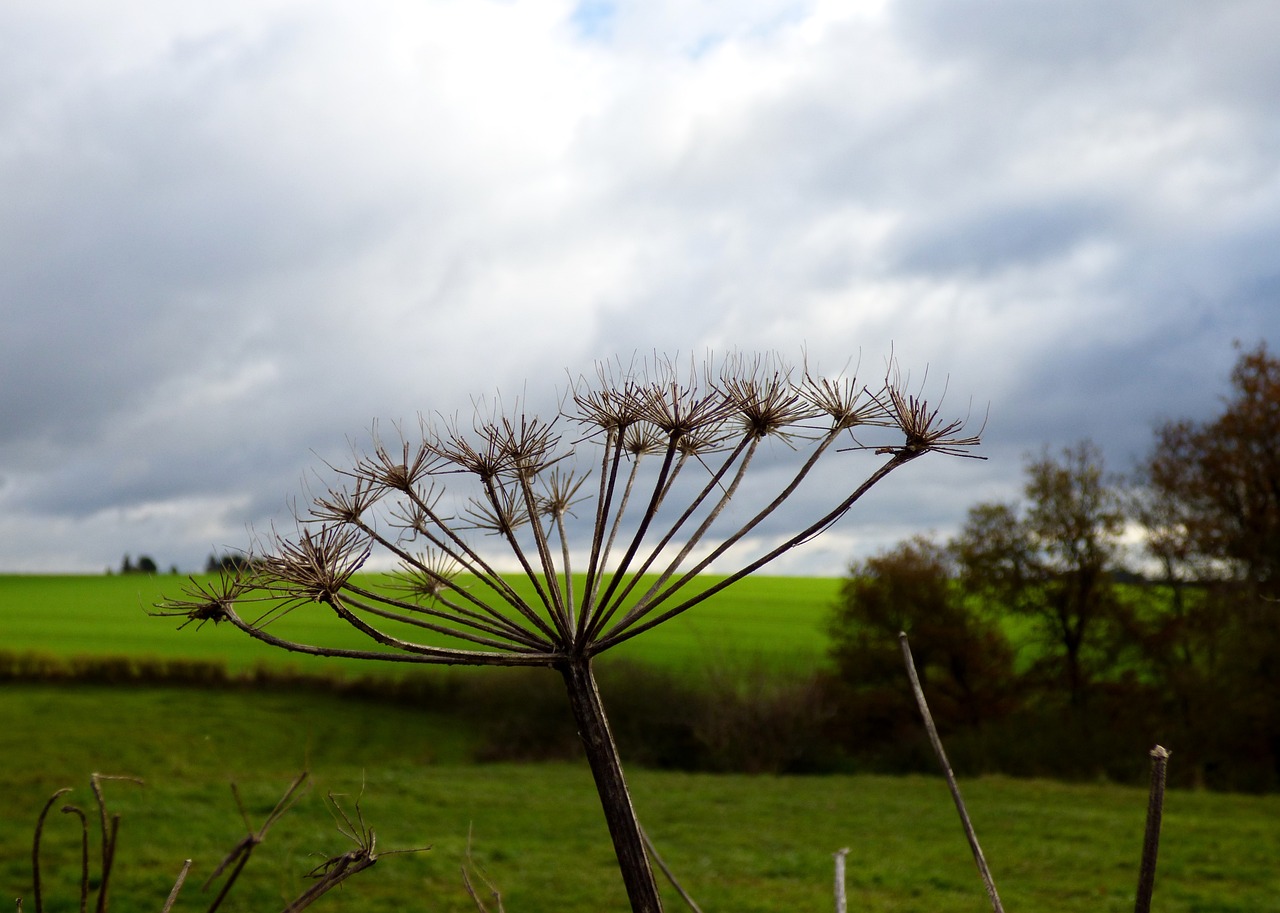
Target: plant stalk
938	750
1151	840
606	768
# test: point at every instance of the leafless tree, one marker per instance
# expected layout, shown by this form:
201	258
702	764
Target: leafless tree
670	445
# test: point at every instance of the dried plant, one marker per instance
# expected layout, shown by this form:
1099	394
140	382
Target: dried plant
666	447
328	875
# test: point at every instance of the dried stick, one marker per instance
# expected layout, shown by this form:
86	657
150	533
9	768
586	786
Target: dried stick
951	777
240	853
475	897
35	848
471	890
331	873
666	870
842	902
1151	841
84	853
113	837
110	833
177	886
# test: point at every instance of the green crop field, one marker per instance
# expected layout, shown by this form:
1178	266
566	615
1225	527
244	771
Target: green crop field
777	621
738	842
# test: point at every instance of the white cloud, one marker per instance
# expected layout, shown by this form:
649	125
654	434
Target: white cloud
236	233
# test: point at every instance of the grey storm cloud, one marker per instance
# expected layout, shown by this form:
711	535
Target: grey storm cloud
996	236
237	234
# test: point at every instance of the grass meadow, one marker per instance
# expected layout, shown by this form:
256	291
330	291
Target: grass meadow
738	842
775	621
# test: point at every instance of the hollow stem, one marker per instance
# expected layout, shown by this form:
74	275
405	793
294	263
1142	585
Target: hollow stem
606	768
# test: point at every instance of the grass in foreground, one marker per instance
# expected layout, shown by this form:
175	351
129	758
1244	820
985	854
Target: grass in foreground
739	843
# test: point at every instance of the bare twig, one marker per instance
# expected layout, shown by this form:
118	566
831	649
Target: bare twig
1151	841
475	896
666	870
842	903
329	874
35	849
337	869
177	886
240	853
110	831
113	836
978	858
84	853
466	882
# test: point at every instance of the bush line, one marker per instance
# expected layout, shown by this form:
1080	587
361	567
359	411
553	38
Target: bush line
744	721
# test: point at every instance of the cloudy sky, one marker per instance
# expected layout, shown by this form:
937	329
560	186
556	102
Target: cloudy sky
234	233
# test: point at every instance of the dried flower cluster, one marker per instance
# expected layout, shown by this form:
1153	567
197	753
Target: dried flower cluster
671	447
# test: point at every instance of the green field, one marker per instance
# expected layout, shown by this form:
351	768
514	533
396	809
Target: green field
739	843
777	621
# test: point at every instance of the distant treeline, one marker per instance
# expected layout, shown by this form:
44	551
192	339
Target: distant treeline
144	565
213	564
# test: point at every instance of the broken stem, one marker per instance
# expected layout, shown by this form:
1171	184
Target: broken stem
842	903
177	887
1151	841
978	858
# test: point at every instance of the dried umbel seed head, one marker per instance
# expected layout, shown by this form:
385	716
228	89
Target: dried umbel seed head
641	440
427	577
560	492
761	394
684	410
529	445
924	432
612	405
502	516
346	505
318	565
208	601
845	402
394	468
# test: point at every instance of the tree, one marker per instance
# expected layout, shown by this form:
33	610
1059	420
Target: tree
1210	492
671	451
146	565
1221	477
964	660
1052	561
